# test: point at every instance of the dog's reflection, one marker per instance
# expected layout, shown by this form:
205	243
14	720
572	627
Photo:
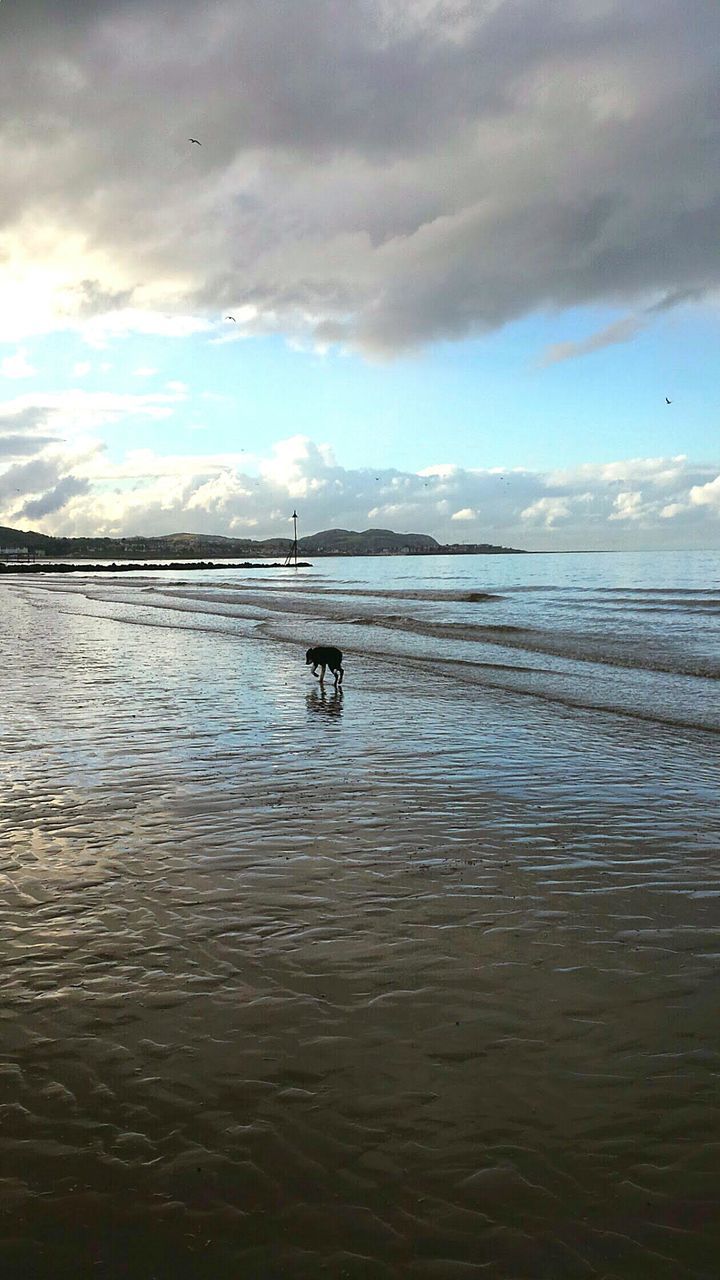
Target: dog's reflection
325	704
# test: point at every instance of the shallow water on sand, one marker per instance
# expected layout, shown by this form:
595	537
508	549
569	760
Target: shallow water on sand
632	633
416	979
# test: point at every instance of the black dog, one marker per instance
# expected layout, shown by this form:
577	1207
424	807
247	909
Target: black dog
325	656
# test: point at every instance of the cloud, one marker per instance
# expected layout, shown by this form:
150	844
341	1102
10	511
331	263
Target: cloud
384	173
620	331
706	495
55	430
17	366
628	506
547	511
26	417
77	487
54	499
37	477
656	472
105	326
20	432
299	467
18	446
76	411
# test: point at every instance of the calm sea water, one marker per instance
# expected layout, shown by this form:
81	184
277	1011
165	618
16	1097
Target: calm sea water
414	979
636	633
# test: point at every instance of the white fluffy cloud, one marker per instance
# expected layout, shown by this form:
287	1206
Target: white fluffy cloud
384	173
56	478
706	495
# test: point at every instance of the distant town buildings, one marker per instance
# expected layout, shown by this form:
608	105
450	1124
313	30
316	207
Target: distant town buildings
19	553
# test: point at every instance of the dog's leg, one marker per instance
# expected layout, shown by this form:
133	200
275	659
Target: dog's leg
322	672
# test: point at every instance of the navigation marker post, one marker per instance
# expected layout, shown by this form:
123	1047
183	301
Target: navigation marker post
293	552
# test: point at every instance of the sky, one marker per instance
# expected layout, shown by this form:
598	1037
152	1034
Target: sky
469	249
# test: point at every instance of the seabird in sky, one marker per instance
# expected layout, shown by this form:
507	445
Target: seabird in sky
668	401
231	318
197	144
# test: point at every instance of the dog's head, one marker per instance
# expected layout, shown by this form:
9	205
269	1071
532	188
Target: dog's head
309	657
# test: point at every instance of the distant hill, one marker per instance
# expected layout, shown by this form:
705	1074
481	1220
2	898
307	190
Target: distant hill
19	538
331	542
346	542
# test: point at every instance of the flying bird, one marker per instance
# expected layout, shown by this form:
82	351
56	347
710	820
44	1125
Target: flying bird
197	144
668	401
231	318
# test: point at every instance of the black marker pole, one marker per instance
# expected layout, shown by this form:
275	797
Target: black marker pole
293	553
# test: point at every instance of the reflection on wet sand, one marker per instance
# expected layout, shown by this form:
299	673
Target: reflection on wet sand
324	703
441	1006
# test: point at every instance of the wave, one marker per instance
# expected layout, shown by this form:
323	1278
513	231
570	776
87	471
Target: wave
540	683
597	646
325	592
562	653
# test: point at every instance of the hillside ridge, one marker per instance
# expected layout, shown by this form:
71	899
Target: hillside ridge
328	542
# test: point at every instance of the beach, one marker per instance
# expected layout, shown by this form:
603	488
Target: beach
418	978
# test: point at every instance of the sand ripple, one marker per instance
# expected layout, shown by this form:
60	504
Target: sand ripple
379	985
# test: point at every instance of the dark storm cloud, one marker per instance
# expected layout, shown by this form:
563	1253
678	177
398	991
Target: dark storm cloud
387	172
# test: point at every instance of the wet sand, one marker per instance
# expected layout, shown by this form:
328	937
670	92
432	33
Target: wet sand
408	981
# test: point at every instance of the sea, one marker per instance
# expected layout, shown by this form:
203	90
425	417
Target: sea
633	633
413	977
